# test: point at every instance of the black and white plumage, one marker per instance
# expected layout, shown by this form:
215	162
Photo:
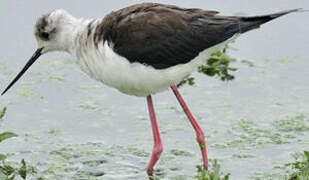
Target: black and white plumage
145	48
164	36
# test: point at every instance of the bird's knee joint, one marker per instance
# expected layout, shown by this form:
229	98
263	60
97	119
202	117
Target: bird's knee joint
158	149
200	138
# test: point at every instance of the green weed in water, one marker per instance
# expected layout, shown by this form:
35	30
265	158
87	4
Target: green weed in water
301	167
297	170
5	70
248	132
4	135
213	174
90	105
181	153
30	94
243	156
297	123
7	171
190	81
2	113
217	65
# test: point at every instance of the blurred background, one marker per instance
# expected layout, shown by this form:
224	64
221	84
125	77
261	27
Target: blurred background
71	127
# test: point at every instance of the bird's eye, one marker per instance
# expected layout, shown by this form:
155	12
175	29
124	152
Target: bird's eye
44	36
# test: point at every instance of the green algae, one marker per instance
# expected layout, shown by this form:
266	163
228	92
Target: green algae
55	132
136	152
164	159
5	70
56	77
243	156
297	170
296	123
31	94
286	60
89	105
177	152
248	132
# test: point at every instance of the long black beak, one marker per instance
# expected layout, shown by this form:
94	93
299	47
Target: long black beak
34	57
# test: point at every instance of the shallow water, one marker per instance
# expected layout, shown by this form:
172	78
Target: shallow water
81	129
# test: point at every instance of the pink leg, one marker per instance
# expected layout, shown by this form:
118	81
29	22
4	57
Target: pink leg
158	148
199	132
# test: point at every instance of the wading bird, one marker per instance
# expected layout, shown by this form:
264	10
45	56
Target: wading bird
143	49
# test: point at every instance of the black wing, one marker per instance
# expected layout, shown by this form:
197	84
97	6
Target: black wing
163	36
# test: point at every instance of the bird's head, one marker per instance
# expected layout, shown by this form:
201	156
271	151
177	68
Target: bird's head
53	32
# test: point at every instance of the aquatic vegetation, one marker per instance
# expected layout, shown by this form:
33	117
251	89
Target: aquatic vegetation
4	70
177	152
2	113
297	123
213	174
31	94
239	140
248	132
7	171
248	63
89	105
287	60
297	170
301	167
56	77
218	65
243	155
55	132
190	81
5	135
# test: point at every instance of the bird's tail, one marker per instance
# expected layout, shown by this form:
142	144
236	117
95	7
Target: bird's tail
253	22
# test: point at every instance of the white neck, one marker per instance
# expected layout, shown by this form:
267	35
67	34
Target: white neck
78	39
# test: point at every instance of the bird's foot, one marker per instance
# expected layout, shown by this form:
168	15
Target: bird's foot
150	174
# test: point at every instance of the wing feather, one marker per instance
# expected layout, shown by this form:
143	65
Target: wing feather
163	36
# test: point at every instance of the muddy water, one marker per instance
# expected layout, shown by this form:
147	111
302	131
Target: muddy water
72	127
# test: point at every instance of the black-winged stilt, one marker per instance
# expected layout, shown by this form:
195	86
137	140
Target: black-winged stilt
143	49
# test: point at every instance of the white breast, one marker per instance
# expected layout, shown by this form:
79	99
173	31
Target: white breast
104	65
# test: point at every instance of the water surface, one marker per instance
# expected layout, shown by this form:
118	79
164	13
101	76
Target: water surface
72	127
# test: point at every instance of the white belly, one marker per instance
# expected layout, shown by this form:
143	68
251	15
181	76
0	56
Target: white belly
134	78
